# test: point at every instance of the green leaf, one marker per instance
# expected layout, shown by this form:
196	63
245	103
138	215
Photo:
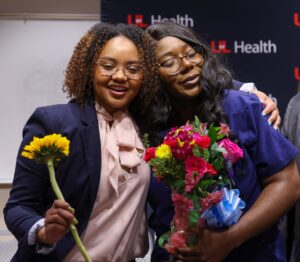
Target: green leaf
218	162
204	186
212	133
206	155
197	123
217	148
220	136
193	217
164	239
178	185
197	151
146	140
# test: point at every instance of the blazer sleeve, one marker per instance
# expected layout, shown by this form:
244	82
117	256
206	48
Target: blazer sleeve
30	196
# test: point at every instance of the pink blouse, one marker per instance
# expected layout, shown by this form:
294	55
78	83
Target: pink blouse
117	229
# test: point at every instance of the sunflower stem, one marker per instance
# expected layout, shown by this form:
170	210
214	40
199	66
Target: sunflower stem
79	244
60	196
53	182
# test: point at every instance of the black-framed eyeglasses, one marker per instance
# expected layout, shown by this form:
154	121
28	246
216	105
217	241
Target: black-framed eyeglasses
109	68
172	66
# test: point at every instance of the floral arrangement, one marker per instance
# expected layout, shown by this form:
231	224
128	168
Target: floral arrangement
196	162
50	150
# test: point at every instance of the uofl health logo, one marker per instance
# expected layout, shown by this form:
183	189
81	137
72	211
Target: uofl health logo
242	47
138	19
219	47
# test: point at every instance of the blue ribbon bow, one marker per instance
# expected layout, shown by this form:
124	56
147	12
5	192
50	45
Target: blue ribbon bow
227	212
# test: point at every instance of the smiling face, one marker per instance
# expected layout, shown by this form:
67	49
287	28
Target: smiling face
185	83
118	75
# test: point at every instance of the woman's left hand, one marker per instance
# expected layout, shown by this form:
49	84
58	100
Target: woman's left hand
213	246
270	108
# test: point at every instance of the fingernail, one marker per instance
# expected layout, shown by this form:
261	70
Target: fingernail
75	221
275	127
263	114
269	122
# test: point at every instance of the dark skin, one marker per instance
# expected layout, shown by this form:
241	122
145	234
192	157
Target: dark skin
275	198
57	221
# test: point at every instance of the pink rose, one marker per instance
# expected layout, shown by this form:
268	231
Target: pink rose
233	151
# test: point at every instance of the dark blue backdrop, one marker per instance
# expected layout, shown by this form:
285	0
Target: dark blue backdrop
260	40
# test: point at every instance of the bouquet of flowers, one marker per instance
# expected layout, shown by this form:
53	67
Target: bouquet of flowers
196	162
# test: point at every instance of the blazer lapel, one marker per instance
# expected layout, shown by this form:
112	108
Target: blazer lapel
91	145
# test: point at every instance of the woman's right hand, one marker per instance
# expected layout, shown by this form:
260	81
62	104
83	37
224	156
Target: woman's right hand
213	246
57	221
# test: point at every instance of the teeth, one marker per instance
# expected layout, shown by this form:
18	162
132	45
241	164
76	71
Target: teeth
118	88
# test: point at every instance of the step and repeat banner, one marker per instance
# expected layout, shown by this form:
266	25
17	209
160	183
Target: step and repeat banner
259	40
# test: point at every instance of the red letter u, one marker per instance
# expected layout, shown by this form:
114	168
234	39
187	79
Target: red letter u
297	73
296	19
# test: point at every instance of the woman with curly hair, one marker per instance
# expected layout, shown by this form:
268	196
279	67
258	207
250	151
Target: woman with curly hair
112	81
195	82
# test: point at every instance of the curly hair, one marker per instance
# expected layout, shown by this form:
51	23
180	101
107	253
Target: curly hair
79	72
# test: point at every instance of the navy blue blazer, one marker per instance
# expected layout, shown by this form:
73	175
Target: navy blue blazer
78	176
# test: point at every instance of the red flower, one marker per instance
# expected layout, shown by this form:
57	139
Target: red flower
177	240
149	154
182	207
195	164
202	141
182	203
211	200
210	169
195	168
171	142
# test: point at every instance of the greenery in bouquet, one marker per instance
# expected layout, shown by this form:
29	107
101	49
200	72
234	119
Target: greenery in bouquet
195	161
